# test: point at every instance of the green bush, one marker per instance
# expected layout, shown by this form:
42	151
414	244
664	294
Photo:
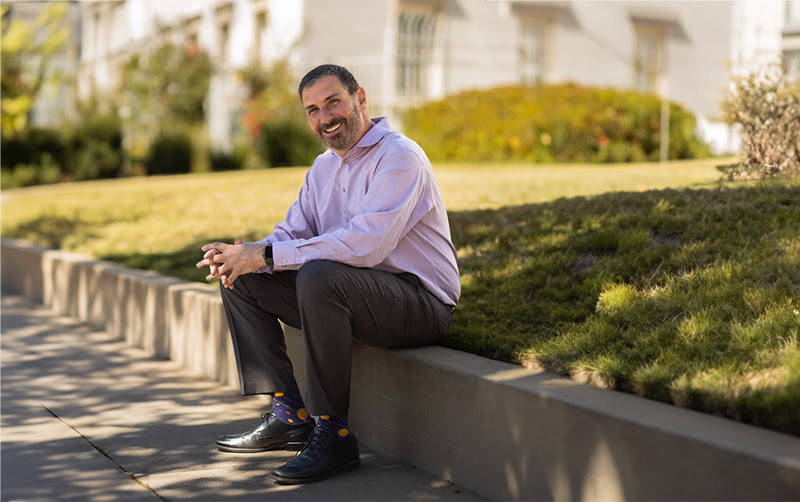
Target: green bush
23	175
224	161
285	142
30	146
94	147
170	153
558	123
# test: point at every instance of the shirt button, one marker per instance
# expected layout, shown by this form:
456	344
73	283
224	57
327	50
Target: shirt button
284	260
346	161
343	190
346	220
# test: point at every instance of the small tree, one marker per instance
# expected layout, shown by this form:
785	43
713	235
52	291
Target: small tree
766	104
25	51
273	117
165	90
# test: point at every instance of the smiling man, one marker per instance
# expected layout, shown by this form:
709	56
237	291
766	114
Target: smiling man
364	254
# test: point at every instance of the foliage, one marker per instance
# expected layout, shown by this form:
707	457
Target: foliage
94	144
273	118
286	141
30	145
25	51
224	161
561	123
766	104
168	81
88	148
47	171
170	153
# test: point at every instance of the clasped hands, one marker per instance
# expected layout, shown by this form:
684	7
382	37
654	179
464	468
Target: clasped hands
229	261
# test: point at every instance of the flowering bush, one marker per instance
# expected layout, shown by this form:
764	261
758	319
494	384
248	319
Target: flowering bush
558	123
767	107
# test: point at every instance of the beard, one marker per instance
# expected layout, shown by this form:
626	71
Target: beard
346	136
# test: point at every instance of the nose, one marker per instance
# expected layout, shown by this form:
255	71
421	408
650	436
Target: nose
324	115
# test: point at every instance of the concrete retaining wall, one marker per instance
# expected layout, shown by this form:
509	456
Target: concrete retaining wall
504	432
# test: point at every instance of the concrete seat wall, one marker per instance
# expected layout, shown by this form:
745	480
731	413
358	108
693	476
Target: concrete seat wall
502	431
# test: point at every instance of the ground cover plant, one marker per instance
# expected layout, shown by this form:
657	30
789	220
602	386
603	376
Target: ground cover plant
649	279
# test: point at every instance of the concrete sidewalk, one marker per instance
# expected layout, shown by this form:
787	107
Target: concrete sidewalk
86	417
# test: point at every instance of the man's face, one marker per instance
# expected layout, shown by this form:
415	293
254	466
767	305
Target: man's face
335	116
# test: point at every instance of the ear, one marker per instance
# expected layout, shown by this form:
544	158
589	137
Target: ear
361	95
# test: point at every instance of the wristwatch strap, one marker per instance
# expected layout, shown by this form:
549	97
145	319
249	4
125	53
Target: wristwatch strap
268	255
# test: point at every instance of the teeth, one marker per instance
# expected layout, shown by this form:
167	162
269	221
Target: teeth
331	129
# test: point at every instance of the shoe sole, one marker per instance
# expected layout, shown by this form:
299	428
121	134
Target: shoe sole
291	446
348	467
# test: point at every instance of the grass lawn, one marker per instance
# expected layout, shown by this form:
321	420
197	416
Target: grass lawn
650	279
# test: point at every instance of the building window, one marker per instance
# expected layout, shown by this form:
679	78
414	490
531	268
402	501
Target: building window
416	35
223	15
191	32
791	61
533	50
793	12
258	39
649	58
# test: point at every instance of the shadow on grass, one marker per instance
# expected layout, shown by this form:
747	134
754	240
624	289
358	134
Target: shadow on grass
684	296
51	230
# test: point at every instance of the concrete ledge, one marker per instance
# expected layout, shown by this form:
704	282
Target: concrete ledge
499	430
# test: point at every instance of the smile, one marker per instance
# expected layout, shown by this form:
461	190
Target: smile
333	128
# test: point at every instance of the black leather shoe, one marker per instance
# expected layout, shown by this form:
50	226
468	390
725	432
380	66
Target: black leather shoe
323	456
270	434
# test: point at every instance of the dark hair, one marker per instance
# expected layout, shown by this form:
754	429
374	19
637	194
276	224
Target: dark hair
343	74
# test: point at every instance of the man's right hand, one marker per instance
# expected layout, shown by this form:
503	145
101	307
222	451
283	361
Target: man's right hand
208	260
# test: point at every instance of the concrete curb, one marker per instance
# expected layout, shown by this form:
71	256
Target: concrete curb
499	430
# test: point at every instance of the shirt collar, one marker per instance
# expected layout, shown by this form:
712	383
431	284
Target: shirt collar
380	128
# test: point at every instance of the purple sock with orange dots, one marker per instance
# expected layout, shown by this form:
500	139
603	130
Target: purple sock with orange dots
335	425
289	408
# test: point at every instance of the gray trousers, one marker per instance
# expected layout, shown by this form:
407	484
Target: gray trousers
333	304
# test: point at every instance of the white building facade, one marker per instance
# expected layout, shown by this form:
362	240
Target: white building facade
406	52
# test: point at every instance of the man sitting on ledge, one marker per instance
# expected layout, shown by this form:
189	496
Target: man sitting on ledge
364	254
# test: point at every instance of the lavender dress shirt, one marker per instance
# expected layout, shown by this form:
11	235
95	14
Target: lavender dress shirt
377	207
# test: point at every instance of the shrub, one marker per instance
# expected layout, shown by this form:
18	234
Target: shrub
170	153
31	145
224	161
23	175
271	118
285	142
561	123
95	147
767	106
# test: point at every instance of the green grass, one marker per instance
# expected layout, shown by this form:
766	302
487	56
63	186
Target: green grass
655	280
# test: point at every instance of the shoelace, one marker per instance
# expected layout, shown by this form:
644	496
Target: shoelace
312	439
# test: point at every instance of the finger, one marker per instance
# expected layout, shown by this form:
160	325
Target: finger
238	241
211	252
203	263
220	246
213	271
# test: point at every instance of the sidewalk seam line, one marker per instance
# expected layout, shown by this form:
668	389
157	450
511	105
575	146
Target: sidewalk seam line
103	452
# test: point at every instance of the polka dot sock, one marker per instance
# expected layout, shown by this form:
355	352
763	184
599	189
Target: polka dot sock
335	425
289	408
